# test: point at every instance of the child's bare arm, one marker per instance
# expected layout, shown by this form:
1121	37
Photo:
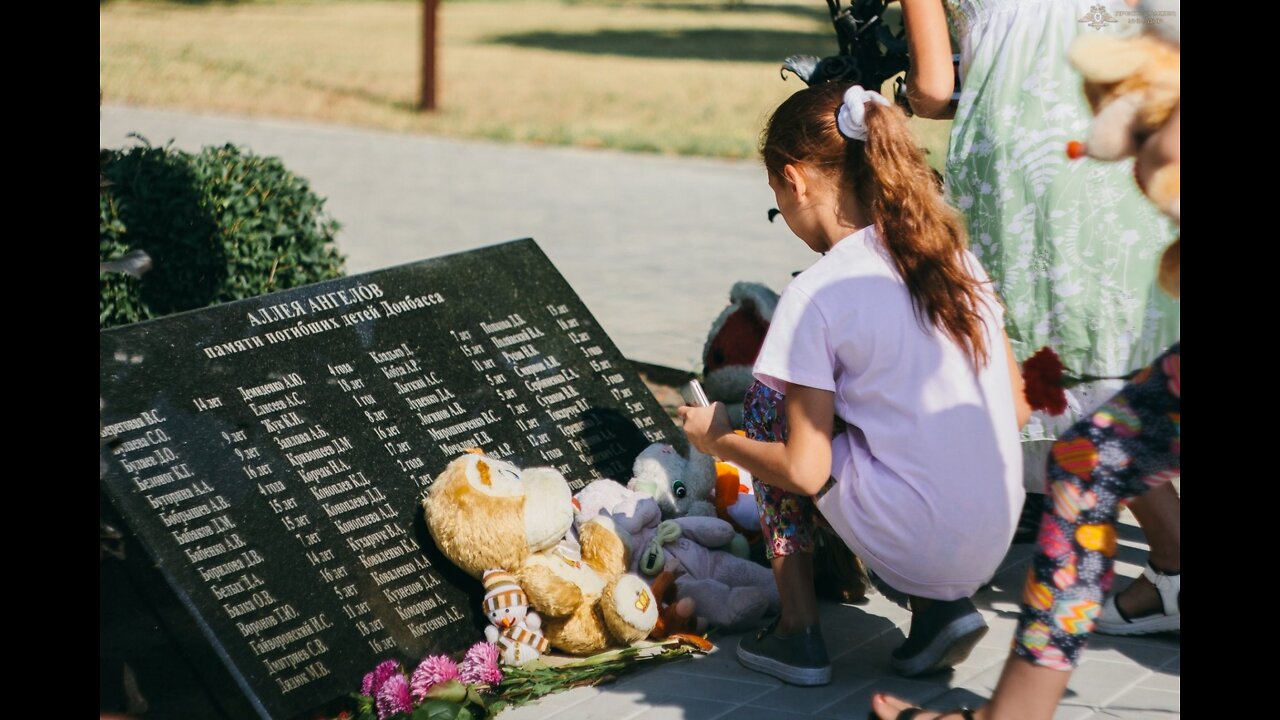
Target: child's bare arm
801	465
931	80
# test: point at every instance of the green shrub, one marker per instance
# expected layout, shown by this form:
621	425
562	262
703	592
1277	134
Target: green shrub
220	225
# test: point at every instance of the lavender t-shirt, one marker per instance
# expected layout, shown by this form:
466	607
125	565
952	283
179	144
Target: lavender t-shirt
929	473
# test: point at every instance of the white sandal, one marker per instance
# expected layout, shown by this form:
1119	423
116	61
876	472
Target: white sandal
1112	622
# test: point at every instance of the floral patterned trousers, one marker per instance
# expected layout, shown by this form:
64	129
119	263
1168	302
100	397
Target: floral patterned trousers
1129	445
787	520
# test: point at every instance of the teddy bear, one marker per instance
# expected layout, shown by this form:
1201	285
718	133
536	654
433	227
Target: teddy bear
485	513
1133	85
728	591
733	343
514	628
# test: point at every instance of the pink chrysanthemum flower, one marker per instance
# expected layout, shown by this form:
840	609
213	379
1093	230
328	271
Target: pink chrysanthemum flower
432	671
373	680
480	665
393	697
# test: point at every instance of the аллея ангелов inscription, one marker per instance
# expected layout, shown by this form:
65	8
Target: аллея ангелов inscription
270	453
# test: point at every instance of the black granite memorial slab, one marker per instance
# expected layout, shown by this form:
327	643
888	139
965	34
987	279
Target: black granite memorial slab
269	454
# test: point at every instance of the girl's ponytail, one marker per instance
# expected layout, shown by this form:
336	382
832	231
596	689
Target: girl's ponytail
923	234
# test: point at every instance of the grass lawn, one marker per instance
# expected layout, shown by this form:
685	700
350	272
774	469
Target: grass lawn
665	76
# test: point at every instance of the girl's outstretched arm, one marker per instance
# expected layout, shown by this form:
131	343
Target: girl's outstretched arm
800	465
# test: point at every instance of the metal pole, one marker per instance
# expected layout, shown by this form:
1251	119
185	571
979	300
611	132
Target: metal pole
430	10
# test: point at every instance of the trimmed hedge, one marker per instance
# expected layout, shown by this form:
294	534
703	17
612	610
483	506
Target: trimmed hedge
220	225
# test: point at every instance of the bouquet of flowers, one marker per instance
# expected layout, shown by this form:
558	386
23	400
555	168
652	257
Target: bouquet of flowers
477	688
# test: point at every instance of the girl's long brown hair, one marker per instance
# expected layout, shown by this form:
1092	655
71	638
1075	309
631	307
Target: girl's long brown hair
889	176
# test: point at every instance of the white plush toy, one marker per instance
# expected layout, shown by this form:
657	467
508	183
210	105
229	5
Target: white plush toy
515	629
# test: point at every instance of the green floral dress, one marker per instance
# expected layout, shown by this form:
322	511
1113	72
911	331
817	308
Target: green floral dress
1072	246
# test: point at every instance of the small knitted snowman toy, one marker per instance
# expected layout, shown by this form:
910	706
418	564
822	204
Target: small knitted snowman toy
515	629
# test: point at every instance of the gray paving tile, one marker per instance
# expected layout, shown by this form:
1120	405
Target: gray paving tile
721	664
1004	592
1073	712
876	607
1162	680
858	703
753	712
1145	703
1000	633
1123	714
617	704
810	699
1095	682
685	709
1149	652
853	632
871	659
670	680
979	661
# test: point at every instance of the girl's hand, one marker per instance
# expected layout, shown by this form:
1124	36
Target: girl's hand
705	425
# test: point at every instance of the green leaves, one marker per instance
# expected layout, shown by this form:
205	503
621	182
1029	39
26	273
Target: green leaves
452	691
521	685
454	694
220	225
444	710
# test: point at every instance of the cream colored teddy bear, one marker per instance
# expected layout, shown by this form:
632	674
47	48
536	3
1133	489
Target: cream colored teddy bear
488	514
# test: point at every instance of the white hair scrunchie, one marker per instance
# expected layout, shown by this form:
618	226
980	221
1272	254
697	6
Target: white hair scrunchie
852	118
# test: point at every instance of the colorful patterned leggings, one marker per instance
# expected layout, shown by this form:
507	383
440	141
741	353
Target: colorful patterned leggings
787	520
1129	445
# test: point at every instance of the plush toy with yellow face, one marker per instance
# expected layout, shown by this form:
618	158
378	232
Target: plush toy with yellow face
488	514
1134	85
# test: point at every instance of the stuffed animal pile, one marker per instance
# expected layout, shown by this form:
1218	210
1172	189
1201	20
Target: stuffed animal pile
487	514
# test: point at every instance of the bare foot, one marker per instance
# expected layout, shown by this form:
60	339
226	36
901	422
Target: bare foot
1140	599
